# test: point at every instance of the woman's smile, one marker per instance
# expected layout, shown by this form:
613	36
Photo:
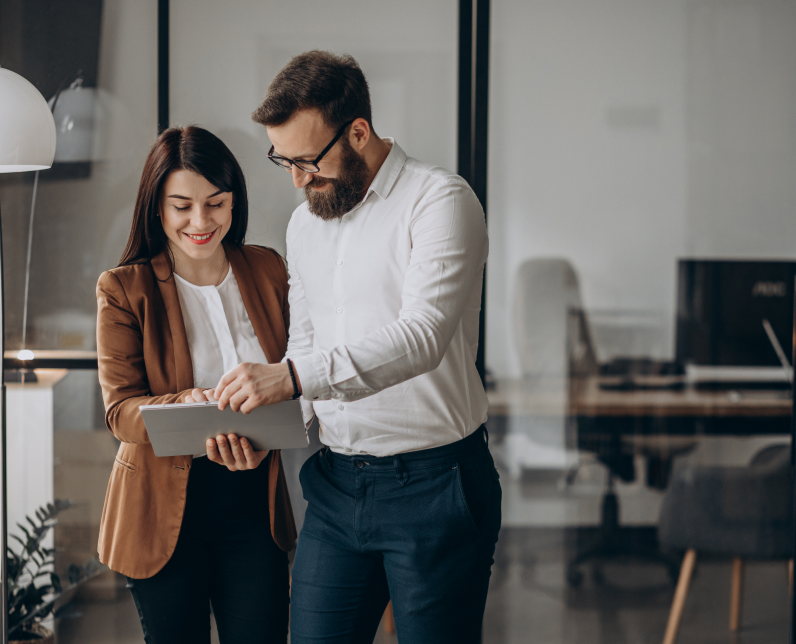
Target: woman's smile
201	239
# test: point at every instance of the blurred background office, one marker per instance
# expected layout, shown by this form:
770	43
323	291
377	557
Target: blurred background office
640	195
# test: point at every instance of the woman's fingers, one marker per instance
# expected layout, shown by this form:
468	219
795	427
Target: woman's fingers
253	459
212	452
249	454
225	452
233	452
237	452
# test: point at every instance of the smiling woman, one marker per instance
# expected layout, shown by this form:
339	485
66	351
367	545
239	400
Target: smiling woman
186	305
189	174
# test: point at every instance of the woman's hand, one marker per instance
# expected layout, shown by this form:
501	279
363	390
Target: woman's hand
236	453
198	395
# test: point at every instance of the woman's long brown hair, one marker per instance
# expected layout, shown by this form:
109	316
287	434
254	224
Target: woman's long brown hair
183	148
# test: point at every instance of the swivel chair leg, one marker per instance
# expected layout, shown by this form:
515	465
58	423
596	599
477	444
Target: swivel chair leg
736	594
680	594
613	542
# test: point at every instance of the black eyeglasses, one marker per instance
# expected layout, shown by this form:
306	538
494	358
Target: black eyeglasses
307	166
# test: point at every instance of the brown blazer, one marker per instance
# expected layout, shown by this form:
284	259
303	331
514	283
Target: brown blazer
144	359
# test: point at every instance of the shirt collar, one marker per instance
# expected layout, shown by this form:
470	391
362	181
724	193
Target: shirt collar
388	172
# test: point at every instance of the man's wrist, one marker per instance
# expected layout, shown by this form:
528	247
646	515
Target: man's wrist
314	382
293	385
296	374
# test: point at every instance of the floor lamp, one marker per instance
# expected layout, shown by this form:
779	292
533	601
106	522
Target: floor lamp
27	142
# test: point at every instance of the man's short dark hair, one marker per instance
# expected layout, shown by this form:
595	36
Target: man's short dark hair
330	83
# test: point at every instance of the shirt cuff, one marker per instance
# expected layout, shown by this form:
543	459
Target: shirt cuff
307	412
314	383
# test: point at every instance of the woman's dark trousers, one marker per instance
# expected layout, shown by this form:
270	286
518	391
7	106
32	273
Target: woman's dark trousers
225	558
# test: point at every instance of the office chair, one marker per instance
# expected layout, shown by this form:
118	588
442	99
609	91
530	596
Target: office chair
739	512
617	455
555	350
546	289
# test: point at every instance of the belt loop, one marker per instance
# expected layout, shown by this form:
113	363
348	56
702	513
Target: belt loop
326	452
486	434
400	472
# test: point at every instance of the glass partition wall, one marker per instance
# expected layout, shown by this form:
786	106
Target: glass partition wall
96	62
640	412
221	59
408	52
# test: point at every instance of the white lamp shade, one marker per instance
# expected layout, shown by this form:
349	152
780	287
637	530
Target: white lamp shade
27	128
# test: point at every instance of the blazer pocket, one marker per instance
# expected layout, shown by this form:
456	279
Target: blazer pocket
124	465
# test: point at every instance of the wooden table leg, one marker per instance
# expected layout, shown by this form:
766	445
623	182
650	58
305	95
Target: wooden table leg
736	594
389	620
680	594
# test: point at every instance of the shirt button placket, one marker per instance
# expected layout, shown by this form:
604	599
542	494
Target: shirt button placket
339	298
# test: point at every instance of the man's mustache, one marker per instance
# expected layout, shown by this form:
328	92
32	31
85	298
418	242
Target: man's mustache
317	182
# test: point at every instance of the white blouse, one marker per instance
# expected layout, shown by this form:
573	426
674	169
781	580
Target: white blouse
220	333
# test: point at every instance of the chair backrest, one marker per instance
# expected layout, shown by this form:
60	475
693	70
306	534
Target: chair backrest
545	291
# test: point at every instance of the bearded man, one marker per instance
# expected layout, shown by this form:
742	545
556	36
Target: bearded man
385	260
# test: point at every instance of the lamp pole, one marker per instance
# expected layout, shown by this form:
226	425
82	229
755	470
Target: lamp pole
792	637
3	484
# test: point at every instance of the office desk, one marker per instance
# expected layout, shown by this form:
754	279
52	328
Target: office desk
678	411
647	411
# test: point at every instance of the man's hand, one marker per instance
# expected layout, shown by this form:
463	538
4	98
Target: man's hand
249	386
236	453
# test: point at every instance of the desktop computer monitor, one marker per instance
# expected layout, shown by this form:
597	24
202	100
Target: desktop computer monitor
721	306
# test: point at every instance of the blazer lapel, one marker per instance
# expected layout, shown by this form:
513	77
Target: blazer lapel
168	291
253	303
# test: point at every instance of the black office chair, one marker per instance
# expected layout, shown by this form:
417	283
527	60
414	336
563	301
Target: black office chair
618	455
739	512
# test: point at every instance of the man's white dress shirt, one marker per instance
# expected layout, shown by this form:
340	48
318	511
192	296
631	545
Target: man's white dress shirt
384	306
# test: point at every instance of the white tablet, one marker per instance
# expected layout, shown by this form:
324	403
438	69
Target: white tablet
182	428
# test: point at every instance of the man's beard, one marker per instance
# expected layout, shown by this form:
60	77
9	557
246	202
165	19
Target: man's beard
345	192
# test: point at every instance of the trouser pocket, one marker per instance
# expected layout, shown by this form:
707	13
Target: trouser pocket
479	488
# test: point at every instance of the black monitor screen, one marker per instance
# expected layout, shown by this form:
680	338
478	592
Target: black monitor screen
721	306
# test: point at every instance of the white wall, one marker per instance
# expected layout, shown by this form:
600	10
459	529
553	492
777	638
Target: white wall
627	133
742	128
225	54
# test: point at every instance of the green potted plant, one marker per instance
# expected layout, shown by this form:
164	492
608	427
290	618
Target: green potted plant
33	586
